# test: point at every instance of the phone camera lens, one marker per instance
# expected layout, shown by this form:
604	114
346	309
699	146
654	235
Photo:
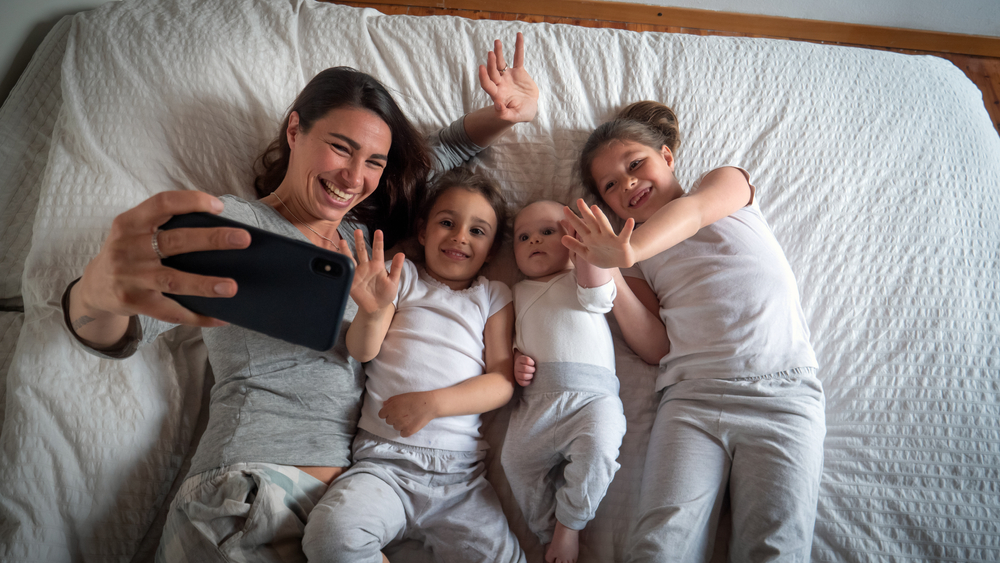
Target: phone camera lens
327	268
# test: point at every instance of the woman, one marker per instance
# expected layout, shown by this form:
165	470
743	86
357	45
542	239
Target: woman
281	417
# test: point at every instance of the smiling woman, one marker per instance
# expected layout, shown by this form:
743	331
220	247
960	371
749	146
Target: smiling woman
341	132
346	160
337	164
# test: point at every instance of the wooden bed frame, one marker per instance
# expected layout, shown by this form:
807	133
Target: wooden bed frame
977	56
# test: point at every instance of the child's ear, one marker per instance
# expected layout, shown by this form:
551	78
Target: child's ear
421	233
667	156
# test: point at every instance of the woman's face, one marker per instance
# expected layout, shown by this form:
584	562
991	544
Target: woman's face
337	163
458	237
635	180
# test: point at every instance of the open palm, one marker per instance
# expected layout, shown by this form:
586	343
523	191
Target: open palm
374	287
513	91
596	241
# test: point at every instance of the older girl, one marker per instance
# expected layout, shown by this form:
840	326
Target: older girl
438	341
741	406
281	417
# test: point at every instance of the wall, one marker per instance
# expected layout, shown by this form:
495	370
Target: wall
24	23
969	17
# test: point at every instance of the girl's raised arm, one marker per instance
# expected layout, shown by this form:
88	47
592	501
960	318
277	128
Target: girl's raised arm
722	192
374	290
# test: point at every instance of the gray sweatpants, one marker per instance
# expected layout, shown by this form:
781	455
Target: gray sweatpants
393	492
763	438
241	513
562	445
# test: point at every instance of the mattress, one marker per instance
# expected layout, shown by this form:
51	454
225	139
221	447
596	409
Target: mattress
878	172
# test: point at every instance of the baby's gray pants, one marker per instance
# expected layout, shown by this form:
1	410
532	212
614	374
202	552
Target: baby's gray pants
562	445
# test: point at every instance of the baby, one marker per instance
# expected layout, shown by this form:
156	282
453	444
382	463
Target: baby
563	437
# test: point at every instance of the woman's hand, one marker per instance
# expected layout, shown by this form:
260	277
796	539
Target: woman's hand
596	241
373	287
409	412
524	369
513	91
126	277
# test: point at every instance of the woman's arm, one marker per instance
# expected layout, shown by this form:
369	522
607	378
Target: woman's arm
374	289
722	192
637	312
409	412
513	91
126	277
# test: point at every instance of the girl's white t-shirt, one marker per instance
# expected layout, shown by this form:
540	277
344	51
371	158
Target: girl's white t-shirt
729	301
435	340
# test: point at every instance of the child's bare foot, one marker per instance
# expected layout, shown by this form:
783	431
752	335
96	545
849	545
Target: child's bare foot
565	546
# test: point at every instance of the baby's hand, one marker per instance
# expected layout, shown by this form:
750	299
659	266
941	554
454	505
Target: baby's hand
409	412
596	241
524	369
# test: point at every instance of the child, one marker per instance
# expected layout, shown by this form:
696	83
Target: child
563	438
437	340
741	405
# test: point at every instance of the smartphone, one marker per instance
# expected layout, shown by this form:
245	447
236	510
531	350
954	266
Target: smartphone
288	289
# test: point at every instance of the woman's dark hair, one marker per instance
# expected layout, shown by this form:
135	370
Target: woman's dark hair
649	123
477	183
408	164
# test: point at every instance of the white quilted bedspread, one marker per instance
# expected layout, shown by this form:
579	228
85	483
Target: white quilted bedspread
879	173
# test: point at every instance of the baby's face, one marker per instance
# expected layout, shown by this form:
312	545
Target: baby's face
538	234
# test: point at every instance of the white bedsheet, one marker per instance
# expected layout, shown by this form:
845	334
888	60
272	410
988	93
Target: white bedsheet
878	172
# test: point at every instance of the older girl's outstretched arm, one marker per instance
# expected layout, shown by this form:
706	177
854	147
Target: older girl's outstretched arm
409	412
722	192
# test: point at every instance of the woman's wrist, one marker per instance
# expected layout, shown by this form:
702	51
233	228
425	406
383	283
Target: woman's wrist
124	334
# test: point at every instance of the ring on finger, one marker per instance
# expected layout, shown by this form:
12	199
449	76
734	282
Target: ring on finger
502	70
156	244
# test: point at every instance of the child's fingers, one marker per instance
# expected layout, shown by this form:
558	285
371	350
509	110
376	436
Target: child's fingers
587	217
360	248
626	233
575	246
574	221
602	219
378	251
396	269
345	249
567	228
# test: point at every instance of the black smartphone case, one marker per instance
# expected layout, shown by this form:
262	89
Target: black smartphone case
288	289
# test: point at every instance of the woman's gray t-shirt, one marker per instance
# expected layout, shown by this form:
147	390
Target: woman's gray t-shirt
276	402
